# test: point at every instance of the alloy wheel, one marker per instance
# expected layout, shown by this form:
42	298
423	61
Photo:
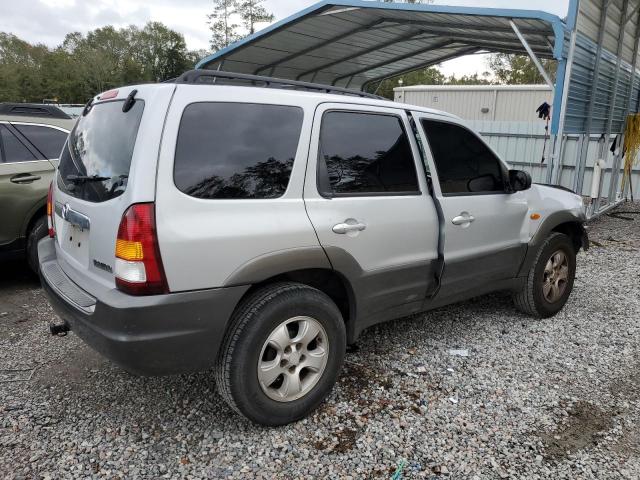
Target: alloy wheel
556	276
293	359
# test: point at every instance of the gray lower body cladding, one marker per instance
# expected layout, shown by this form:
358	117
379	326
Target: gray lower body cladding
152	335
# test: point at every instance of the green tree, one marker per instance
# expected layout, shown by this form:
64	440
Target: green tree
21	75
194	56
518	69
221	23
163	53
252	12
83	66
474	79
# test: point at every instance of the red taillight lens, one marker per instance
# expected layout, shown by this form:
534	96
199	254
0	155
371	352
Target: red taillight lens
138	267
52	231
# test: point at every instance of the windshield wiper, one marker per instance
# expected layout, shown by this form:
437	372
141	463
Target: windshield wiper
86	178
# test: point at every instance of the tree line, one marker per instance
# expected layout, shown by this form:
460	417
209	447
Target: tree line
84	65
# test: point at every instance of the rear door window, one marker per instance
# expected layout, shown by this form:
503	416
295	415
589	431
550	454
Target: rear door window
365	154
12	149
236	150
49	141
95	162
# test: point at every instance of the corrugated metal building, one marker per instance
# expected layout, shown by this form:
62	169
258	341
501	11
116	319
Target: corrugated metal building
516	103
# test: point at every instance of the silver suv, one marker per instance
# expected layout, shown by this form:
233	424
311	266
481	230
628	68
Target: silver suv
260	230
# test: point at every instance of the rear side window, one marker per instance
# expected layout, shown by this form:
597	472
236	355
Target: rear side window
49	141
463	162
12	149
236	150
95	163
364	154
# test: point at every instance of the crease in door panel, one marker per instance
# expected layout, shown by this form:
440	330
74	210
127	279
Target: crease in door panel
440	265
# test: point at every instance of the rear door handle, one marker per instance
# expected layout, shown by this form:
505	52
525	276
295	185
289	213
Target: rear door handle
344	228
24	178
463	219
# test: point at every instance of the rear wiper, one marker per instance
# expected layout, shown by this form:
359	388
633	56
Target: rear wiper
86	178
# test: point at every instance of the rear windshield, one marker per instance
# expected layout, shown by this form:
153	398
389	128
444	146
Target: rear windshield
94	165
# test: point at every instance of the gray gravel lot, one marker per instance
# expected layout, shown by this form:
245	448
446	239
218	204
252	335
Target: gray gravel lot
556	398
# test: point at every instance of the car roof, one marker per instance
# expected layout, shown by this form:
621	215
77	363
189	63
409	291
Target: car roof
66	124
321	97
43	110
251	92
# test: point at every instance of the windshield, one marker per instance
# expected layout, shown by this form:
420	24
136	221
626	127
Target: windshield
95	162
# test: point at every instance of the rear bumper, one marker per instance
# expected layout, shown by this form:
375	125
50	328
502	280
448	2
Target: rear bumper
153	335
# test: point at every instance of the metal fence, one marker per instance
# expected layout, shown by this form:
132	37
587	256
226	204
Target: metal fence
522	144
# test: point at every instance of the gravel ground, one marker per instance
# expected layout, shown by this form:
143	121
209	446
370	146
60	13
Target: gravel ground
557	398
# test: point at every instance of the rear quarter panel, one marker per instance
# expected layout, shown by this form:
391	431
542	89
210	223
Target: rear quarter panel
203	242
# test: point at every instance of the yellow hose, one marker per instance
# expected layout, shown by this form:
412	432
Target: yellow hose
631	146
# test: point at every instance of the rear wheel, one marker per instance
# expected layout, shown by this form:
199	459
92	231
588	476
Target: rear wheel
282	354
550	279
38	231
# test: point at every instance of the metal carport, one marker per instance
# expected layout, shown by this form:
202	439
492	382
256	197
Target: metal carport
355	43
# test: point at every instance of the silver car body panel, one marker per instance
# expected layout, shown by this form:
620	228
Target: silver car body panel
205	242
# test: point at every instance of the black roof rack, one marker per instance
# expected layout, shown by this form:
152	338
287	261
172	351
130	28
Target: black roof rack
216	77
32	110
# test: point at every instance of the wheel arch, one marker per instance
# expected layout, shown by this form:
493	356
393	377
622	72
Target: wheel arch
328	281
308	266
565	222
576	232
36	213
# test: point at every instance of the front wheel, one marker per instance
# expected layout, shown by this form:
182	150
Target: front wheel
550	279
282	354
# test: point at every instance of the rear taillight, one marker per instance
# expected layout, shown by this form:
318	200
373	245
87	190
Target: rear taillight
50	224
138	268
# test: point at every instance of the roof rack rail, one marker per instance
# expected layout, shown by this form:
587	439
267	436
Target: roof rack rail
211	77
32	110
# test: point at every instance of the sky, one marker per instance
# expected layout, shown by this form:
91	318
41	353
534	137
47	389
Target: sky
48	21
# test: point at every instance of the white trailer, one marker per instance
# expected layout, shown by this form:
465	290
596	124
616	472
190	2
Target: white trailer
515	103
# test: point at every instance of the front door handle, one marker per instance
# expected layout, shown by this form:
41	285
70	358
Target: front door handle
24	178
348	227
463	219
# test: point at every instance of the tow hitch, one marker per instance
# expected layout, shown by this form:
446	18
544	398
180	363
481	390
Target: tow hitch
59	330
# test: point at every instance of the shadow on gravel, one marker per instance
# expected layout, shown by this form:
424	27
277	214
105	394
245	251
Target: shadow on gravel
586	424
17	282
16	274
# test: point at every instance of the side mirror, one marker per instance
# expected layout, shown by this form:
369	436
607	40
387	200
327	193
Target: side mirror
483	183
519	180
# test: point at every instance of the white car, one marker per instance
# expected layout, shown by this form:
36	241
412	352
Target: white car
210	222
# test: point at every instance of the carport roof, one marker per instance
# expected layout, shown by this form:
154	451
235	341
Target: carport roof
352	43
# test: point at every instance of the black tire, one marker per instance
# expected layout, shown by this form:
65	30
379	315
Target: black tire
252	323
38	231
531	299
